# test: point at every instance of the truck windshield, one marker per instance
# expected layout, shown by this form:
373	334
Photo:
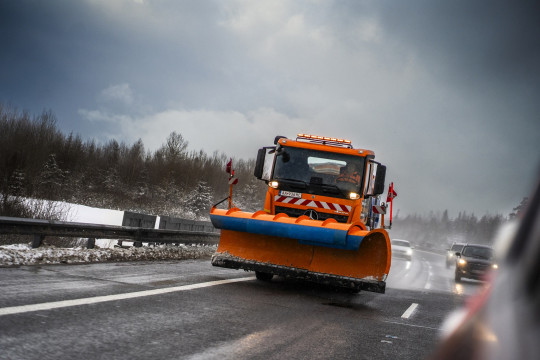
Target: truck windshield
319	172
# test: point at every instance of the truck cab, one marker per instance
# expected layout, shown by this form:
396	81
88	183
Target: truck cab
321	178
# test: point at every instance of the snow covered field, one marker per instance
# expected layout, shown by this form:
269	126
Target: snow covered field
23	254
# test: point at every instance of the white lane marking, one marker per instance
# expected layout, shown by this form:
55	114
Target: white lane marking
99	299
411	325
409	311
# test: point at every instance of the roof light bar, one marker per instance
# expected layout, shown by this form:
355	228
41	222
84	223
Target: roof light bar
325	139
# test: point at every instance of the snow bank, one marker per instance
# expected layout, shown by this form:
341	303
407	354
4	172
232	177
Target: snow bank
23	254
90	215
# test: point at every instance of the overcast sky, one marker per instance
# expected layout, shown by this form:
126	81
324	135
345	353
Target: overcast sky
447	93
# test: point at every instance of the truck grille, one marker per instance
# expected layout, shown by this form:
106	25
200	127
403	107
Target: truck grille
321	216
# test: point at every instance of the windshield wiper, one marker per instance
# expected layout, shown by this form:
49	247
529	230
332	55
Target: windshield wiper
331	188
298	183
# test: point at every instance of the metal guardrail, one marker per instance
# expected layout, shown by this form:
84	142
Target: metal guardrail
42	228
172	223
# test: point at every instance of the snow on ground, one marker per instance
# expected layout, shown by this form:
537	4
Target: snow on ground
90	215
23	254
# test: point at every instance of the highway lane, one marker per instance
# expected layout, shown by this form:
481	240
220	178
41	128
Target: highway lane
283	318
427	271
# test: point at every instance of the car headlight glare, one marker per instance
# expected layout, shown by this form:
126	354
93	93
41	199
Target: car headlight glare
495	266
462	262
273	184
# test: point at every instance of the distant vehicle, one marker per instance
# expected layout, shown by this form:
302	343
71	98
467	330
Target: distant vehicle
402	248
451	253
474	262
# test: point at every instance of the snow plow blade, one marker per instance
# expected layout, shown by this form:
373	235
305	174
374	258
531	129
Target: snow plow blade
326	252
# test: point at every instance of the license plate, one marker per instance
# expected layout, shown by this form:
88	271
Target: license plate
290	194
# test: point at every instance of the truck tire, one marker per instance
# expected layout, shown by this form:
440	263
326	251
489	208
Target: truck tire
263	276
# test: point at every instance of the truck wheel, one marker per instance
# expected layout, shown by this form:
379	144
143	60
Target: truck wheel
263	276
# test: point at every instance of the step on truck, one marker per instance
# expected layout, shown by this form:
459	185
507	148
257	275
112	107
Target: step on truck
319	221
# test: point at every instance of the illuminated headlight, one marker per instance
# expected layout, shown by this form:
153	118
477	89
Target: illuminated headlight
409	251
495	266
461	262
273	184
354	196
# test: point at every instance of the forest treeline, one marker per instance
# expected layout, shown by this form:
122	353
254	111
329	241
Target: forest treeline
38	161
437	232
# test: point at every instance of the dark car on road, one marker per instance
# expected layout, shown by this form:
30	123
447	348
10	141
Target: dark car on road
474	262
451	253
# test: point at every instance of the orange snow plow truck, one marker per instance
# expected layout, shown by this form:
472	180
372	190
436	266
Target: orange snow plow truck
318	222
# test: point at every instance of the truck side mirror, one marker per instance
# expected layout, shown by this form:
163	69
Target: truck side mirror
277	138
380	176
260	163
263	165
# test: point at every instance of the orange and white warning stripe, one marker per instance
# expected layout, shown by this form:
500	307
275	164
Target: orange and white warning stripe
312	203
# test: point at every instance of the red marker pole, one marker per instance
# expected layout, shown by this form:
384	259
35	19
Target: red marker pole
232	181
391	201
382	216
230	188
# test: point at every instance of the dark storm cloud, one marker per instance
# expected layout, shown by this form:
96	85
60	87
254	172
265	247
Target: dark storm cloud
70	50
472	40
46	46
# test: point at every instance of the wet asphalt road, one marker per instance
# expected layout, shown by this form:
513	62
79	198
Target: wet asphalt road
164	317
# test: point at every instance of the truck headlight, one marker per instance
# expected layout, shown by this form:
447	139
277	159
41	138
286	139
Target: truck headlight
409	251
462	262
354	196
273	184
495	266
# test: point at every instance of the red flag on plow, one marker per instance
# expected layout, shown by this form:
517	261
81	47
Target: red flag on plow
391	193
389	199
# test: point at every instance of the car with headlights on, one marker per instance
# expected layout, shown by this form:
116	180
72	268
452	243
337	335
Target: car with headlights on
474	262
402	249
